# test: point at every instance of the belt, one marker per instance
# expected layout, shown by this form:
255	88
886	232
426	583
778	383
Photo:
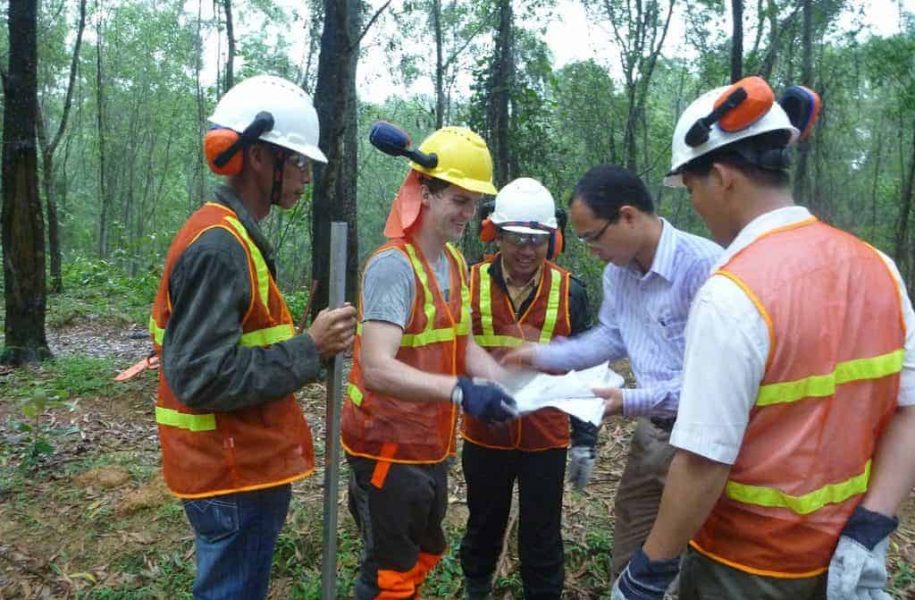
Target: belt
664	424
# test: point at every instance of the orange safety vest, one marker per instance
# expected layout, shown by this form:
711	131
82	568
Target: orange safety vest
213	453
496	329
384	427
836	338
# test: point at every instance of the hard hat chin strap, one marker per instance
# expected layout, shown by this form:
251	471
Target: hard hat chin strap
279	164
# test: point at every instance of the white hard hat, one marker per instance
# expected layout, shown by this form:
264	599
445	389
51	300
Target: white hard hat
681	153
524	206
295	121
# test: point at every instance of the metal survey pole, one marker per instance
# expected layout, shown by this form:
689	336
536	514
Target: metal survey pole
337	294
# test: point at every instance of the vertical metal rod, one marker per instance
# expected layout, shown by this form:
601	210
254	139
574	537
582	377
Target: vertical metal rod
337	294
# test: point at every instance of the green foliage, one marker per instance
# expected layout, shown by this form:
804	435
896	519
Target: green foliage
90	286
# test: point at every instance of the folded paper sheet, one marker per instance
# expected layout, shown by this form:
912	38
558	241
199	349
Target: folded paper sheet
570	393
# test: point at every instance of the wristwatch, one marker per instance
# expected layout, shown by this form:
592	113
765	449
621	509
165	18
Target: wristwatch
457	394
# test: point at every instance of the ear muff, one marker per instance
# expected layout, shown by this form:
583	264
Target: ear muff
738	107
222	149
556	244
487	230
802	105
217	141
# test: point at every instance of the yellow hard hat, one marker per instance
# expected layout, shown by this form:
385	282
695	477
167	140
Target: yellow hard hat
463	159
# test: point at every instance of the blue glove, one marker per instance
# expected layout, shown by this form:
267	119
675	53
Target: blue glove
858	567
485	400
644	579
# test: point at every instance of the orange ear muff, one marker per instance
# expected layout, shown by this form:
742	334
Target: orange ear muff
802	105
558	242
757	103
487	231
737	108
215	142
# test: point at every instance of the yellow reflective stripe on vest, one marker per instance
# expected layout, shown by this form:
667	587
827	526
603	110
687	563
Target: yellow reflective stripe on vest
173	418
354	393
430	335
818	386
268	336
260	265
831	493
489	339
158	334
552	307
486	307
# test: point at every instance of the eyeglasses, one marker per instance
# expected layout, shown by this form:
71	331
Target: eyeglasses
300	161
590	238
524	239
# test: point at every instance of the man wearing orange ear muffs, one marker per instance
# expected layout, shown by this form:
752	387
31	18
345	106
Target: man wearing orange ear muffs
233	437
413	360
520	295
795	434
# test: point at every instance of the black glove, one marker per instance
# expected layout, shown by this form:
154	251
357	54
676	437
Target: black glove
584	433
645	579
485	400
868	527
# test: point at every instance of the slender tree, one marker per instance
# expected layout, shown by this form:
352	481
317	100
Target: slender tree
22	223
335	183
48	147
737	40
499	86
229	80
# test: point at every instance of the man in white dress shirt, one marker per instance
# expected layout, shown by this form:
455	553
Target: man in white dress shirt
795	434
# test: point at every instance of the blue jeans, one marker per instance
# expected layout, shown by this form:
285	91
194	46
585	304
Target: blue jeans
235	537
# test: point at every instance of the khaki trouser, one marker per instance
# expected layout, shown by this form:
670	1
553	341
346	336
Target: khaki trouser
639	494
702	578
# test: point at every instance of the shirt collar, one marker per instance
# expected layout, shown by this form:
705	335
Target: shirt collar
226	195
662	264
764	223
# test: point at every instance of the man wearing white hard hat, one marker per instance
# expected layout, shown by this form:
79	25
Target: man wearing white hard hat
796	431
232	435
520	295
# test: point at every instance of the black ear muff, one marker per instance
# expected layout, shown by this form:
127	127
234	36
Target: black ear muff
802	105
394	141
556	245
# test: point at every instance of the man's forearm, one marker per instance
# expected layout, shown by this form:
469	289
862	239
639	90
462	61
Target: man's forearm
481	364
693	486
591	348
392	377
893	473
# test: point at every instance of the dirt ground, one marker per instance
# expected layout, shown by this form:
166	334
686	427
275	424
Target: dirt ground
95	517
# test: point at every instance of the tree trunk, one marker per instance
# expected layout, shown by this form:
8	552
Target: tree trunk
102	175
335	182
901	253
22	223
501	82
230	36
48	147
439	65
801	183
737	41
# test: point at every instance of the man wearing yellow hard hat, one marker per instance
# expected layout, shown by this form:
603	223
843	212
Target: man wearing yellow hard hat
411	361
795	434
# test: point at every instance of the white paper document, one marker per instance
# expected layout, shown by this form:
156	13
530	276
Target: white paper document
570	393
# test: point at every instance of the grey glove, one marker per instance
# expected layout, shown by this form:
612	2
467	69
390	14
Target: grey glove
858	567
581	465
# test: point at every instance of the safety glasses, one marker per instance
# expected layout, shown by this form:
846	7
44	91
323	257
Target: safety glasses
524	239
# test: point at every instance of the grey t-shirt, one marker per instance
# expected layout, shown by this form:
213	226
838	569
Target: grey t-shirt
389	288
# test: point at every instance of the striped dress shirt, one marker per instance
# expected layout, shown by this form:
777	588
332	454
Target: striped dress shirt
643	317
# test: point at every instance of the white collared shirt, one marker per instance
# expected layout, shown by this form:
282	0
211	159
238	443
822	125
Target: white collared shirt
727	342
